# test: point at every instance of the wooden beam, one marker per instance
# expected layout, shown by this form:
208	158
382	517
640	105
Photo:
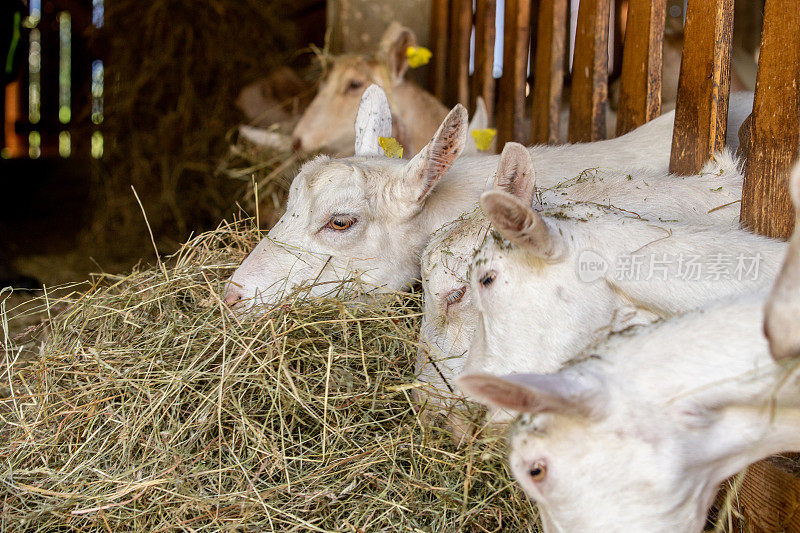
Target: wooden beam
587	115
440	16
483	76
701	111
774	124
770	496
548	80
640	87
511	98
458	59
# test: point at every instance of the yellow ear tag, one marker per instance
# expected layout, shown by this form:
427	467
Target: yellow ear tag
483	138
391	147
418	56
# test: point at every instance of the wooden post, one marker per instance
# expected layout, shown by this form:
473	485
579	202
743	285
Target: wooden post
548	81
640	88
483	77
587	115
770	496
458	59
770	493
440	16
511	100
701	111
774	124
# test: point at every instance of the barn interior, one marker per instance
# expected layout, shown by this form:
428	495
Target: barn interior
78	139
128	145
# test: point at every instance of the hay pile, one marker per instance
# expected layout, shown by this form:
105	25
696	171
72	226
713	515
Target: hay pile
148	408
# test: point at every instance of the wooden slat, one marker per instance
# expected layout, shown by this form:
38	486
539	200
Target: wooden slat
482	77
440	15
587	116
568	30
511	98
774	124
701	111
458	58
618	28
551	43
770	496
640	87
533	25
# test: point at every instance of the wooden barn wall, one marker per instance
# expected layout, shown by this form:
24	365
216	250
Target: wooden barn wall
356	26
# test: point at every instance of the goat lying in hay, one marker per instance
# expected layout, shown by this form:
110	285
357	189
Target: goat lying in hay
149	407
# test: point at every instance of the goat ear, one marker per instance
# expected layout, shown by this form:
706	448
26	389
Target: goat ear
374	120
566	392
480	121
432	162
394	43
480	118
515	174
782	314
521	224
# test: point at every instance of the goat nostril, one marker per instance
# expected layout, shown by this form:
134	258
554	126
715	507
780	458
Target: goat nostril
297	144
232	298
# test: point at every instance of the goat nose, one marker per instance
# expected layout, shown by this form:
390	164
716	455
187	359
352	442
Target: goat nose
232	297
297	144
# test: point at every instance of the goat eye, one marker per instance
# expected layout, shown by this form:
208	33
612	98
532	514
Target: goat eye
341	223
488	278
354	85
455	296
538	471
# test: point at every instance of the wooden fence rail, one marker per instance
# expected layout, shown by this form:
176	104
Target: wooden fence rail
775	125
548	81
640	84
701	111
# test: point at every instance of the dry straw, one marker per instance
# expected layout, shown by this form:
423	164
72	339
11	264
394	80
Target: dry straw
147	407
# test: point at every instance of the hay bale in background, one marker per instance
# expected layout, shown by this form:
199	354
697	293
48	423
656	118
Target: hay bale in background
174	69
147	407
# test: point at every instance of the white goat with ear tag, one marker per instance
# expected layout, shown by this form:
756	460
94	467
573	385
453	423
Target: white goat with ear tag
374	120
370	217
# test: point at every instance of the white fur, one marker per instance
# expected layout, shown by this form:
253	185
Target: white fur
373	121
782	320
567	312
638	435
384	247
552	304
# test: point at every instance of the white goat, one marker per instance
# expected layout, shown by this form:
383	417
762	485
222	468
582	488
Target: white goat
645	204
638	435
561	280
371	215
326	124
